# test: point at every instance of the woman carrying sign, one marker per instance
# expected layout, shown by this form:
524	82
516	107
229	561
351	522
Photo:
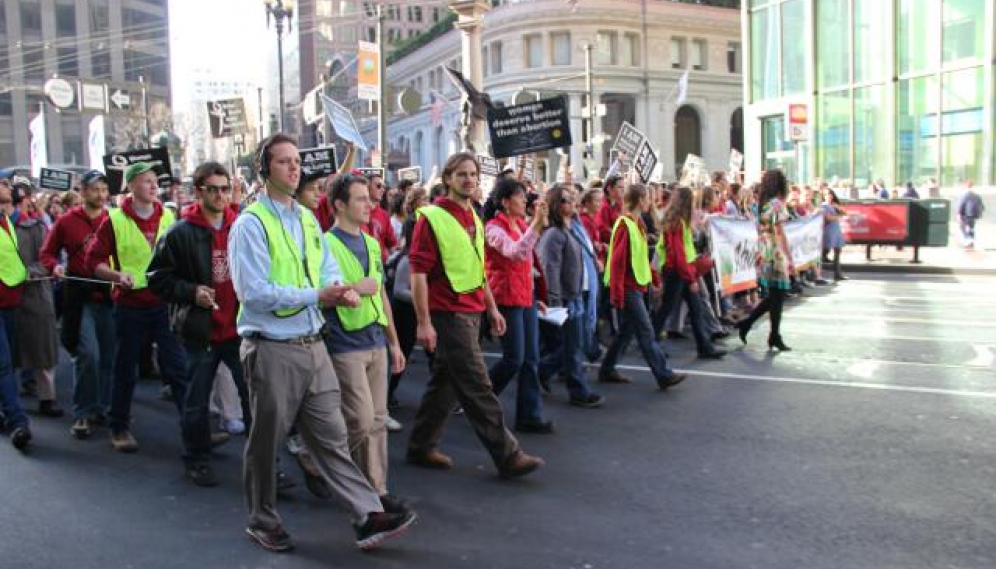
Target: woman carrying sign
776	257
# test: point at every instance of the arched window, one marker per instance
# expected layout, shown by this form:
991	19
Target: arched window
737	130
687	135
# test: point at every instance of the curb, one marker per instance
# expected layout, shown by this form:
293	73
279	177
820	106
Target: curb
910	268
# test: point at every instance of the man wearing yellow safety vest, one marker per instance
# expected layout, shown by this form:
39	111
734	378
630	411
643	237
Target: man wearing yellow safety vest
283	275
13	273
450	291
361	338
627	275
120	253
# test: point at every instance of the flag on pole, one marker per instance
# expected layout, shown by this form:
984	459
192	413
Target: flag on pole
436	105
95	142
479	102
682	88
39	144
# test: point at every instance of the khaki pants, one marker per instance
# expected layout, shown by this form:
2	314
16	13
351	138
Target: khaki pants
363	381
459	375
295	383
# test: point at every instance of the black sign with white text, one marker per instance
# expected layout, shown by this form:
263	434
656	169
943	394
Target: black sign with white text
227	117
645	161
116	163
58	180
529	128
318	161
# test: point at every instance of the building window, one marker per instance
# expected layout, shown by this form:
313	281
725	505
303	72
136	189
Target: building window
734	59
700	55
33	63
833	134
65	20
72	149
794	51
371	35
496	61
629	50
134	62
560	46
484	60
31	18
964	31
435	15
533	50
415	14
3	20
605	48
6	105
678	55
764	54
100	64
833	44
99	18
68	63
869	65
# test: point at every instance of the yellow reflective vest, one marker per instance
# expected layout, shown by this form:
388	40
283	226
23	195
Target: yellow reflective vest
12	269
371	308
132	250
463	259
639	254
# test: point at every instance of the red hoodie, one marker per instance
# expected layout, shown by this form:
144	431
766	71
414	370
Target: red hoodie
103	247
73	232
380	229
223	319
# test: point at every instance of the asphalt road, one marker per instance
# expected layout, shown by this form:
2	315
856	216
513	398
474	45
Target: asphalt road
868	446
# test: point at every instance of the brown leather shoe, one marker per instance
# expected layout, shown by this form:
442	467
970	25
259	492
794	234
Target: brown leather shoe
431	459
613	377
520	464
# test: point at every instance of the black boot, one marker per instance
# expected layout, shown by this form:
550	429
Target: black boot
743	327
775	342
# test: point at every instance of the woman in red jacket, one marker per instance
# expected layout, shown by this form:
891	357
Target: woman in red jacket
509	263
628	274
681	278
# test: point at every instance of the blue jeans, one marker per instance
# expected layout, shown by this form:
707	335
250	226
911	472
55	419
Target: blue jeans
677	290
132	325
9	398
195	418
634	320
93	363
520	357
567	357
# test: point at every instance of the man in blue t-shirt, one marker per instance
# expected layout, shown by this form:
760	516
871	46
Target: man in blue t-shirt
362	339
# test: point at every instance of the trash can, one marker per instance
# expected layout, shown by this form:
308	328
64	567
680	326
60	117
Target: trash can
930	223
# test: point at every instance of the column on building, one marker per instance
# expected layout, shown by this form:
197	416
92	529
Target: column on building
577	136
667	109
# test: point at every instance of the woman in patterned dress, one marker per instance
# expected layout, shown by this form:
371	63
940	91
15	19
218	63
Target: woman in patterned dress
776	265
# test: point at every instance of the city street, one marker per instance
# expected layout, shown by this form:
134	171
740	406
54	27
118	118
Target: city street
870	445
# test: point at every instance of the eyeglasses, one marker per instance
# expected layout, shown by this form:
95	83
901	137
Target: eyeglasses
212	189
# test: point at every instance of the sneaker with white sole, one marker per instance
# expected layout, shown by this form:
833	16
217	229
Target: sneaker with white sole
233	426
381	526
393	425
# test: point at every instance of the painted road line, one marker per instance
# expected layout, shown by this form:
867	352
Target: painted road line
899	320
810	381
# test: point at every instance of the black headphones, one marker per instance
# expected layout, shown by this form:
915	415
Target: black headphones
263	157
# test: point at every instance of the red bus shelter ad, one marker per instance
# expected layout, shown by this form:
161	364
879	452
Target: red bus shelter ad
881	222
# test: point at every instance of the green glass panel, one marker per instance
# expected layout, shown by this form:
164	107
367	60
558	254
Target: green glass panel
832	44
764	54
779	152
918	36
962	126
916	129
872	136
833	135
964	29
793	47
870	55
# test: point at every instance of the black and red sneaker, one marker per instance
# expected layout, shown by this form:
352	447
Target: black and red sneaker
380	527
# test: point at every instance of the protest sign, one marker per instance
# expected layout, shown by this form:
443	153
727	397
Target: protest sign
529	128
51	179
369	172
318	161
645	161
629	140
227	117
694	171
736	165
343	123
116	163
805	240
525	167
414	174
734	246
489	173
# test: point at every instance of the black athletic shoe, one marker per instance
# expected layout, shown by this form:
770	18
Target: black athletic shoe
276	540
20	438
381	526
675	379
202	475
394	505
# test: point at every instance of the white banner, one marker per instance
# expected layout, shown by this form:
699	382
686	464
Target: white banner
734	246
805	239
95	142
39	144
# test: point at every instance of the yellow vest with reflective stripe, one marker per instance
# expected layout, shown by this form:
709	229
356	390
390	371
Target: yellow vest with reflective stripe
133	251
12	269
371	308
463	259
287	268
639	254
686	237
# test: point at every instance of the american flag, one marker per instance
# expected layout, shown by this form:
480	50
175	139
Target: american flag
436	106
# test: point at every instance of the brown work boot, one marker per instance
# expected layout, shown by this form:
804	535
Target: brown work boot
430	459
520	464
613	377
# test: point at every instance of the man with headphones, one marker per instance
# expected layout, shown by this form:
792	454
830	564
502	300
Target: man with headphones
284	275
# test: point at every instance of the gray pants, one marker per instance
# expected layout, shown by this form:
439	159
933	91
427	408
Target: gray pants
288	384
459	375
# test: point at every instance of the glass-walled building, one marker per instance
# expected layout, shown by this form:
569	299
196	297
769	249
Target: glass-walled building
898	90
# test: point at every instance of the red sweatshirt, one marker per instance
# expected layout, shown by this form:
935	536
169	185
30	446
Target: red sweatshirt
223	319
380	229
103	247
606	219
73	232
674	245
424	259
10	297
621	278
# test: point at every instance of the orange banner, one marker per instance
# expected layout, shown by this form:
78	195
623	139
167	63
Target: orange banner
368	86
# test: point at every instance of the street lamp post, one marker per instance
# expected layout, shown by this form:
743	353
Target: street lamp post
280	10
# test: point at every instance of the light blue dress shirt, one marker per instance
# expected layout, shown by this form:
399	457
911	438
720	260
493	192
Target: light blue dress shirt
249	257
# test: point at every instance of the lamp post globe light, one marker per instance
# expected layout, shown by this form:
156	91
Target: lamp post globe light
280	10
